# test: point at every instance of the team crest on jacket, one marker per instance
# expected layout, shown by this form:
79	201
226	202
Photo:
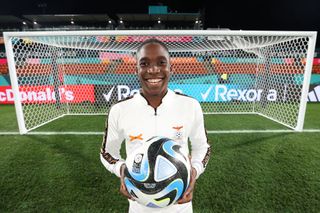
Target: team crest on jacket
178	134
137	137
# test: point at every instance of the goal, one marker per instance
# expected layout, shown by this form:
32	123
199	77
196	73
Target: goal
54	74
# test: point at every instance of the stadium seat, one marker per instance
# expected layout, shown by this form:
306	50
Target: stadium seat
316	69
34	69
4	69
84	68
234	68
187	65
128	67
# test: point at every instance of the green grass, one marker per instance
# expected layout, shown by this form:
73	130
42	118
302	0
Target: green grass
55	174
8	120
247	173
312	117
262	173
265	172
213	122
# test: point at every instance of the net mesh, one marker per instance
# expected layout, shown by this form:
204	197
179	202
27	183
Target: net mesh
60	75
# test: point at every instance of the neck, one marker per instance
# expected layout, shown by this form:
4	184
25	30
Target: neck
154	100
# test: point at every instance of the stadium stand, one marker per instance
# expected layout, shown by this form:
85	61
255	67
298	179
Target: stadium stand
187	65
3	67
127	65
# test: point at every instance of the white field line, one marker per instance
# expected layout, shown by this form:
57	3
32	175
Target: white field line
208	131
260	131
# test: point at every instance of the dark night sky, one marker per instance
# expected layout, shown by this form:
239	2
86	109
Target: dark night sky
240	14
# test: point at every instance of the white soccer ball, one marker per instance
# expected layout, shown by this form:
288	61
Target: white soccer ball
158	173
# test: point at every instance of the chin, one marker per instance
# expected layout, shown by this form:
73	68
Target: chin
154	92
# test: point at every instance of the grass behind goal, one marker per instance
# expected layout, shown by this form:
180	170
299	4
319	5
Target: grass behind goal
252	172
216	122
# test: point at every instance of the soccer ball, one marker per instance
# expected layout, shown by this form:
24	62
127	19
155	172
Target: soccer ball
157	173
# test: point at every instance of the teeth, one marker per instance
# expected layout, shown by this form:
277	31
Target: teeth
154	80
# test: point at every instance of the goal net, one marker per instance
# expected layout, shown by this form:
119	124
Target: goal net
83	73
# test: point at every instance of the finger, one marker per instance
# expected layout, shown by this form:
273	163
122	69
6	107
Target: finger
193	173
185	199
126	194
187	192
189	189
123	187
124	191
182	199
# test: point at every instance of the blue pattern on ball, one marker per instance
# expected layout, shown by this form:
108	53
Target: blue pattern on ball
167	147
175	185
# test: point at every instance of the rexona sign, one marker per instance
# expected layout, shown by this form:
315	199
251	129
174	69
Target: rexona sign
224	92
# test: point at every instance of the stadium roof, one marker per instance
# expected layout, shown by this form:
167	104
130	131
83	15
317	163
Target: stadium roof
9	19
273	15
94	19
66	18
191	17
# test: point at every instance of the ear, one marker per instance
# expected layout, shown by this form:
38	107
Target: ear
136	62
170	69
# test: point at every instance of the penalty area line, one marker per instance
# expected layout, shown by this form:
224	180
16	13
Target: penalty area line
208	131
260	131
53	133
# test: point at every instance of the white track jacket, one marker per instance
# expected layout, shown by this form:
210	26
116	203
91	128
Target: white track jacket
134	121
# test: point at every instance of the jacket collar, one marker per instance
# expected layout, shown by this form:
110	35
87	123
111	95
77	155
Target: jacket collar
167	97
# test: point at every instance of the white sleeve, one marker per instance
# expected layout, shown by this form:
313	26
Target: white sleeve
111	144
200	149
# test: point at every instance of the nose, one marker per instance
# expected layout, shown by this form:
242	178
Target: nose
153	69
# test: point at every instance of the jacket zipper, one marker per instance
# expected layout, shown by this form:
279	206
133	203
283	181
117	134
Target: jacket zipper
155	122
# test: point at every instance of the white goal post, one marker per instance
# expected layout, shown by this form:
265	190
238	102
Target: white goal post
229	72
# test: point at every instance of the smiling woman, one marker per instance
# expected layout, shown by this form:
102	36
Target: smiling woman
155	111
153	70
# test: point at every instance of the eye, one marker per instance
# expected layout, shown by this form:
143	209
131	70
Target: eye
163	62
143	64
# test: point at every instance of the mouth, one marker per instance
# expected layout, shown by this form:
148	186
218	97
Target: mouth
154	81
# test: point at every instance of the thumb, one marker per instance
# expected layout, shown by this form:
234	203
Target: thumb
189	190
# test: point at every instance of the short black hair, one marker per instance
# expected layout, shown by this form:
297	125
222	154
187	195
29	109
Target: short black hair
152	41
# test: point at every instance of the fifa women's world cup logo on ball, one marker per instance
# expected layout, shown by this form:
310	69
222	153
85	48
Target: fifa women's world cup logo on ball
157	173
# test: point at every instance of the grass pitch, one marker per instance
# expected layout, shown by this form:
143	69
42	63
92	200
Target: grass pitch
251	172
